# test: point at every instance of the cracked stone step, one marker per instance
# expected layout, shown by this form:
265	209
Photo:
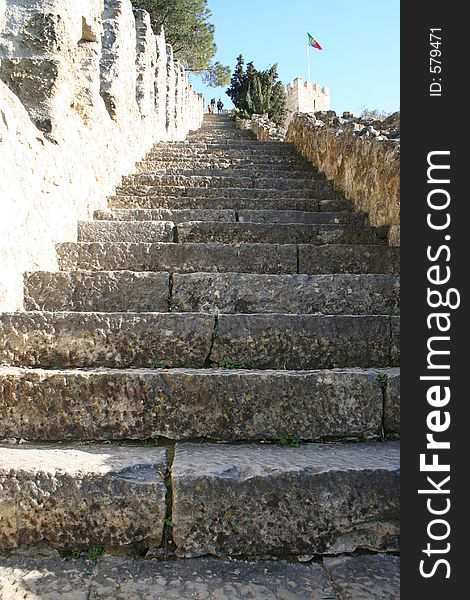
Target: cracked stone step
97	291
259	341
151	202
126	231
184	404
113	578
299	294
230	216
127	291
250	180
335	258
271	500
183	258
91	339
275	233
287	341
72	497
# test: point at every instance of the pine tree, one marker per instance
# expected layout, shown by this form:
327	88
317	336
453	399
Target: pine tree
188	30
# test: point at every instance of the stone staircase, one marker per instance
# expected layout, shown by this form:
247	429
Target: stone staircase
213	370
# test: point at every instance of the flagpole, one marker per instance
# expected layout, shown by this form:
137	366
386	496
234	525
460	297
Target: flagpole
308	59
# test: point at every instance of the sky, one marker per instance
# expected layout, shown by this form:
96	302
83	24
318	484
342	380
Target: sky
360	40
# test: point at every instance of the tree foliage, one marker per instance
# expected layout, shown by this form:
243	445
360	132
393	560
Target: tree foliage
258	92
188	30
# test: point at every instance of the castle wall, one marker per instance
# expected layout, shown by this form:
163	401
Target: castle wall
304	96
86	88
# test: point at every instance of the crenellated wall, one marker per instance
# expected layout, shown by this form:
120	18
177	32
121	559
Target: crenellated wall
86	88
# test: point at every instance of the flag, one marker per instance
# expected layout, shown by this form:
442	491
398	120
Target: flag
313	42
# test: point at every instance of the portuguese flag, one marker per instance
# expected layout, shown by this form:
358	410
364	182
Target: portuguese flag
313	42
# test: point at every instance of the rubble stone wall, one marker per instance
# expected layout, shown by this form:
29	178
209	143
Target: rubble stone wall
362	158
86	88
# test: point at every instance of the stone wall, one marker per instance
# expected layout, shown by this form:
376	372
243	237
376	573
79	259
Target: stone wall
86	88
264	129
361	157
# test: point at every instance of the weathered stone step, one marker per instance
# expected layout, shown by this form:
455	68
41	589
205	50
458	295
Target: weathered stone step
183	258
335	258
255	162
231	215
299	294
183	404
226	233
188	153
269	500
275	233
259	341
228	203
126	231
81	496
364	576
239	258
286	341
127	291
255	145
165	214
97	291
91	339
249	180
324	189
253	172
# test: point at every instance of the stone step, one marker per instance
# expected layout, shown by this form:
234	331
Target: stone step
71	497
127	291
165	214
259	341
362	577
221	202
249	180
227	233
126	231
239	258
321	192
96	339
274	233
255	162
255	145
286	341
253	172
335	258
183	258
238	293
324	188
183	404
231	216
270	500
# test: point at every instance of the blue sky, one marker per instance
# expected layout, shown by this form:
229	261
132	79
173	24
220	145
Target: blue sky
361	41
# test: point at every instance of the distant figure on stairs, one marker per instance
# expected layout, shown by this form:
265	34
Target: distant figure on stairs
213	105
220	106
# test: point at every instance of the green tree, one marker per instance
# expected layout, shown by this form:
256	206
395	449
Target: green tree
258	92
188	30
